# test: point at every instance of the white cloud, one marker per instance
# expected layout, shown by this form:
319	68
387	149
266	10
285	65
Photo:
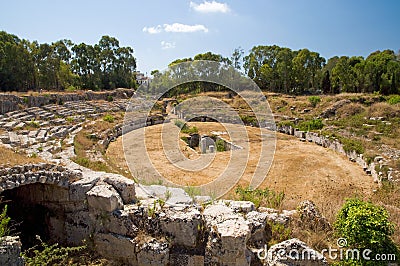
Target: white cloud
153	30
175	27
178	27
167	45
210	7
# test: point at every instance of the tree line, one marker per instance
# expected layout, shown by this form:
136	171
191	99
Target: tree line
61	65
26	65
280	69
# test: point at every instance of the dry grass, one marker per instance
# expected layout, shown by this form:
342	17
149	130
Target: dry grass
383	109
11	158
350	110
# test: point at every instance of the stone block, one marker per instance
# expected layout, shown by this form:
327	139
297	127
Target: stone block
124	186
116	247
10	251
153	253
105	198
186	227
294	252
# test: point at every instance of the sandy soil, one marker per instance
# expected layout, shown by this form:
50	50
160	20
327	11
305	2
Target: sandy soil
302	170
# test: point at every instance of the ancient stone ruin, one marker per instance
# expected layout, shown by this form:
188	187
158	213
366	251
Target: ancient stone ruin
120	219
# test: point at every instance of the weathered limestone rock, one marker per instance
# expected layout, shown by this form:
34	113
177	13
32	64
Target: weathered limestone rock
294	252
105	198
10	251
310	216
119	222
124	186
117	247
78	189
257	222
240	206
186	227
177	196
229	233
153	252
78	226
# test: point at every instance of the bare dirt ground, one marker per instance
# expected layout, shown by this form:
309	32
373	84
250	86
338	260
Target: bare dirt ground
306	171
302	170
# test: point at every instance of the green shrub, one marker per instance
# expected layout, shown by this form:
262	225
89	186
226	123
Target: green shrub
309	125
110	98
192	191
314	100
261	197
366	226
4	220
189	130
286	123
71	88
49	255
34	123
394	99
279	233
109	118
220	145
352	145
249	120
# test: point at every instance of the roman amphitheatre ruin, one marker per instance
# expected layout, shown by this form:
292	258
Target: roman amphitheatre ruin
64	164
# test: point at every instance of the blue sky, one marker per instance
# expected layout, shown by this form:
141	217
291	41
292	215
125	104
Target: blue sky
162	31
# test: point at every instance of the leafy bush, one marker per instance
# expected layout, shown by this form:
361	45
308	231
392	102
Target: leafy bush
192	191
189	130
394	99
49	255
261	197
279	233
352	145
220	145
309	125
109	118
366	226
314	100
110	98
185	128
286	123
4	220
249	120
34	123
71	88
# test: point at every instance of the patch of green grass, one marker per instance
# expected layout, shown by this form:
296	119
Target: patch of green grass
393	99
261	197
109	118
352	145
220	145
192	191
309	125
314	100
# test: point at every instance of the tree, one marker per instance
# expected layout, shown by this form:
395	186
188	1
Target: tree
326	83
237	57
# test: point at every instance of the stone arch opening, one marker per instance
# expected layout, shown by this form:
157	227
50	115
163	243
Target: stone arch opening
37	209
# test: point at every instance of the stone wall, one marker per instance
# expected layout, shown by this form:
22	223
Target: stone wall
126	223
335	145
10	102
